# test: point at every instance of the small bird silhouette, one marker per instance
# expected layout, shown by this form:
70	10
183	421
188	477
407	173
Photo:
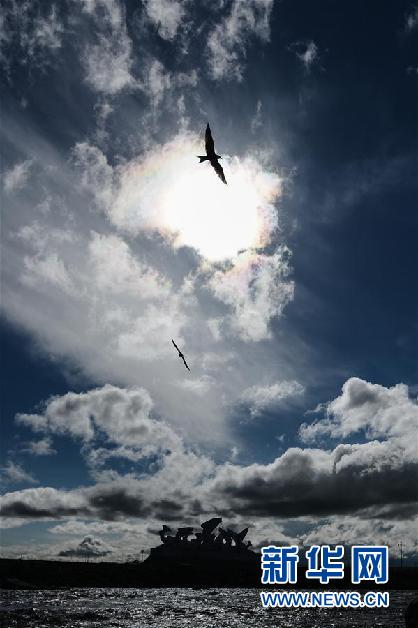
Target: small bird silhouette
181	355
211	156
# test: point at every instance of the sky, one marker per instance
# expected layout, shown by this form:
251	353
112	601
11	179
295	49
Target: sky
291	290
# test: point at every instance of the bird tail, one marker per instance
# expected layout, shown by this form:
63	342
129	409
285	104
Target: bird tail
202	158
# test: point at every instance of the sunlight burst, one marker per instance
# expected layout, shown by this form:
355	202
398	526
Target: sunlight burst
184	200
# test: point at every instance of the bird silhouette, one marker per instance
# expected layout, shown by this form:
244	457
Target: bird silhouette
211	156
181	355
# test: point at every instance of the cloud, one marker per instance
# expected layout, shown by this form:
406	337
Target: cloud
374	478
306	52
158	82
349	478
166	15
107	260
31	34
47	33
262	398
108	63
122	415
96	173
227	42
89	547
13	473
42	447
17	176
356	490
257	288
378	411
88	528
41	503
412	19
319	483
39	33
348	530
164	494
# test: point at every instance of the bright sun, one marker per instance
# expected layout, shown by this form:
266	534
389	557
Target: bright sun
171	192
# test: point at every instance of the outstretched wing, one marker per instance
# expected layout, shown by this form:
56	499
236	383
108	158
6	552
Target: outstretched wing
219	170
175	345
209	143
185	363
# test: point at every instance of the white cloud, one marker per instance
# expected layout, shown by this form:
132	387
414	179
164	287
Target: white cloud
307	52
117	271
108	63
14	473
96	174
167	16
88	528
158	82
42	447
378	411
49	269
89	547
122	415
17	177
198	386
374	531
261	398
228	41
257	288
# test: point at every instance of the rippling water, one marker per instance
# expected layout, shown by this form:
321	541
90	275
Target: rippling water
172	608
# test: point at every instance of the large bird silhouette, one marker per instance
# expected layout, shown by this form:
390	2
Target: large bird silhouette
181	355
211	155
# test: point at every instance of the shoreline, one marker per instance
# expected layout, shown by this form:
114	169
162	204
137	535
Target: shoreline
22	574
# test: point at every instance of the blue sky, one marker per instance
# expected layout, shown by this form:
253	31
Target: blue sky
292	290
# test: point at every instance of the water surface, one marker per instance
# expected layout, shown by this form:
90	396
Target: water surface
172	608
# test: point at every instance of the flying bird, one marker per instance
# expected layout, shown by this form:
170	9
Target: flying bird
211	155
181	355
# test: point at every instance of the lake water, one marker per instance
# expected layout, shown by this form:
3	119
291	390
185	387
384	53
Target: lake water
172	608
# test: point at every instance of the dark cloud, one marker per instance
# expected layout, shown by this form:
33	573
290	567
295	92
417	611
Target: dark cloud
320	494
316	482
110	503
168	509
19	508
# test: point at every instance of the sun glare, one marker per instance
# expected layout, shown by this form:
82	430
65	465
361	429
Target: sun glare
171	192
216	219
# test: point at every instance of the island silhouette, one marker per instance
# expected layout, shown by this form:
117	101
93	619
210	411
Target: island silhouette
205	556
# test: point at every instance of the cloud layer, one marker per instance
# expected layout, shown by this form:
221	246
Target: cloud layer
375	480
